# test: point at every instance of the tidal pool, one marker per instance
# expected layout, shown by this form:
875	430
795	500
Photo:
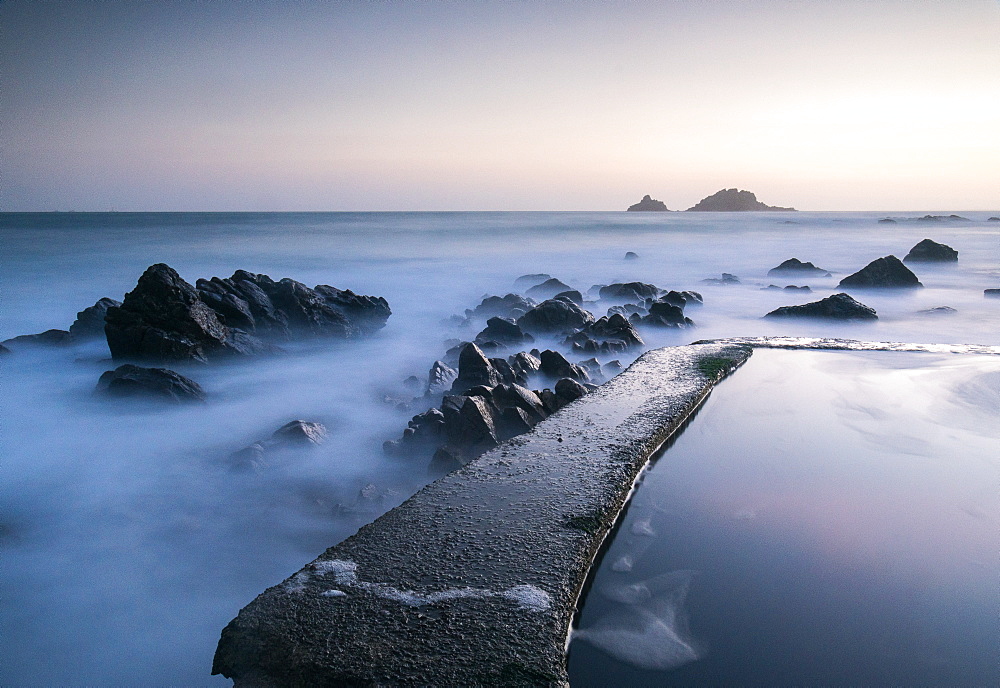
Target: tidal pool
828	518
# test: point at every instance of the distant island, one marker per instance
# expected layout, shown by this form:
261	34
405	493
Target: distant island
648	204
731	200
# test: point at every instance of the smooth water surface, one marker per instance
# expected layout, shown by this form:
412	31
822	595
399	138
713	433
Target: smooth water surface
127	543
828	518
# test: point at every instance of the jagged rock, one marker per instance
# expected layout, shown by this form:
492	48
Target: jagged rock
555	316
503	331
551	401
548	289
252	458
571	295
513	422
129	380
663	314
474	368
993	293
928	251
939	310
629	291
524	365
794	266
693	298
47	338
731	200
606	335
887	272
631	255
526	281
163	318
299	432
515	396
368	314
501	306
648	204
89	323
471	424
569	389
555	365
612	368
726	279
887	221
440	378
836	307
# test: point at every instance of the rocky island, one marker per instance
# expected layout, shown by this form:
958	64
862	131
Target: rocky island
648	204
732	200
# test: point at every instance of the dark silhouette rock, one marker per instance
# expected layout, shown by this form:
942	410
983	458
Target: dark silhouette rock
300	432
571	295
526	281
89	323
663	314
887	221
794	266
787	287
502	306
440	378
4	350
555	365
524	365
648	204
836	307
991	293
629	291
555	316
939	310
993	219
882	273
726	280
503	331
47	338
943	218
606	335
731	200
631	255
368	314
474	369
127	381
548	289
927	251
569	389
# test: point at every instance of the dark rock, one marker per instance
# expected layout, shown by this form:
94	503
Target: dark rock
163	318
993	219
648	204
505	371
502	306
504	331
629	291
4	350
47	338
662	314
794	266
414	384
993	293
612	368
731	200
882	273
571	295
631	255
555	316
524	365
928	251
726	279
158	383
515	396
471	424
836	307
89	323
446	460
608	334
548	289
474	368
943	218
792	287
693	298
367	314
940	310
675	298
569	389
525	281
551	401
252	458
440	378
555	365
300	432
887	221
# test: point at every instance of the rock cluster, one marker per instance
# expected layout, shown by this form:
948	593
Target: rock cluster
928	251
836	307
882	273
166	319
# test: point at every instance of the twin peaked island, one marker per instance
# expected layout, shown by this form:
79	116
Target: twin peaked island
726	200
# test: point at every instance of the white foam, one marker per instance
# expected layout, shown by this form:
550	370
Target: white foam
529	597
333	593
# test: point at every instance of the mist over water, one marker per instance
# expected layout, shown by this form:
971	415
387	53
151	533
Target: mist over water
127	541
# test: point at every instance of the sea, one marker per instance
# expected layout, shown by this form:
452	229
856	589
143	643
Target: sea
128	542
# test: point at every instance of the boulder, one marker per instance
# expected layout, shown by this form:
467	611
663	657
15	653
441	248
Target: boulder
663	314
548	289
795	267
300	432
293	435
555	316
524	365
731	200
440	378
503	331
882	273
569	390
607	334
648	204
836	307
501	306
47	338
631	255
726	279
939	310
928	251
887	221
555	365
571	295
474	368
629	291
128	381
991	293
525	281
89	323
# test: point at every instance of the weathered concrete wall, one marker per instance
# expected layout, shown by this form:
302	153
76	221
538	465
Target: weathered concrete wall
475	579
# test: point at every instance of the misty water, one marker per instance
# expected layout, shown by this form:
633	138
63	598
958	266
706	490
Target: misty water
829	518
127	541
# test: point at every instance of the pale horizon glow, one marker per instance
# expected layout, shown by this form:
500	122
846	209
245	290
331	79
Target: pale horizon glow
841	105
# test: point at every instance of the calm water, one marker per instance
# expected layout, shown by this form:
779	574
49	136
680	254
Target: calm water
128	544
828	519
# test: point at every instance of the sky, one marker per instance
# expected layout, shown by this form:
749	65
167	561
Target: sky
380	105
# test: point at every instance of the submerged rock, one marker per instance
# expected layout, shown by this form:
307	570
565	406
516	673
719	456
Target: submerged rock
294	435
939	310
887	221
127	381
993	219
726	279
47	338
548	289
882	273
606	335
631	255
89	323
928	251
300	432
836	307
648	204
4	350
795	266
525	281
731	200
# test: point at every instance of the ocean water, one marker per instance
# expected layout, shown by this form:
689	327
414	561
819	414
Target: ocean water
828	519
126	540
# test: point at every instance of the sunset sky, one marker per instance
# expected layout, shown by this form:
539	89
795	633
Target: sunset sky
826	105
